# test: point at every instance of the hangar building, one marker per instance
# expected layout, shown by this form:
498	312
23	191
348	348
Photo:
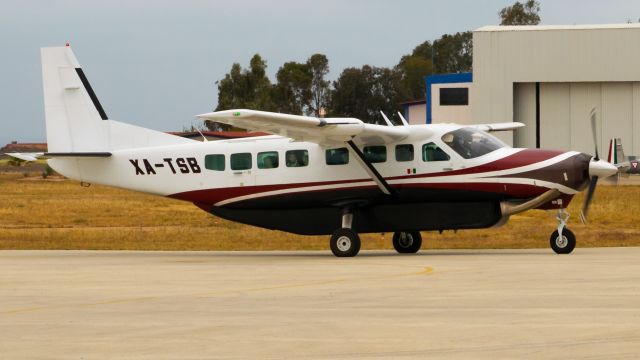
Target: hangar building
548	77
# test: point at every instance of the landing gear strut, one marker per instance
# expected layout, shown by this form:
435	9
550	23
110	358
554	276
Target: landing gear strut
407	242
345	242
562	241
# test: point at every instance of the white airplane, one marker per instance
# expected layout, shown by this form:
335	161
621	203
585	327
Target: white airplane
626	164
337	176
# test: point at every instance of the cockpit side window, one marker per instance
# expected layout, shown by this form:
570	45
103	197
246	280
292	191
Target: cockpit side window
432	152
471	143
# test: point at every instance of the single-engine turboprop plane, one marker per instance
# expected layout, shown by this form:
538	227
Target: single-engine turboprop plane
317	176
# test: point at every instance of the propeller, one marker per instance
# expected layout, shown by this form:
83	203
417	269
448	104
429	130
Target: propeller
597	169
593	132
588	198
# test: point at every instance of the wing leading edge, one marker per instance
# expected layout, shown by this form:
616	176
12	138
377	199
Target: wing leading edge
324	131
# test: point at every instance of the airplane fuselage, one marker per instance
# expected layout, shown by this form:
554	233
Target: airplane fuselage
307	197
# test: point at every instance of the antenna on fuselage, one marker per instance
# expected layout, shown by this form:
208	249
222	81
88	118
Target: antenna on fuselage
386	119
404	121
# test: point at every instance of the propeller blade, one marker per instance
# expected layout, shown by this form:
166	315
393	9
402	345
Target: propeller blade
593	132
588	198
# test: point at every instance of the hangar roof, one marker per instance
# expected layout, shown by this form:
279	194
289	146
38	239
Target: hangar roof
557	27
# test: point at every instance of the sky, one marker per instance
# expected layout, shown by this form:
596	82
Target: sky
154	63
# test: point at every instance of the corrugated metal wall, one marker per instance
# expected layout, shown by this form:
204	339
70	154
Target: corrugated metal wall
565	115
579	67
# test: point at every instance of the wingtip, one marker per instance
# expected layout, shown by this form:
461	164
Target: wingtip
226	113
205	115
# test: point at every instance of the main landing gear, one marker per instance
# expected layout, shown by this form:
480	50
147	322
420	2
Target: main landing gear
407	242
345	242
562	241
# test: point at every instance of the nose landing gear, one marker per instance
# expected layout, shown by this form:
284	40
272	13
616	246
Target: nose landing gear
562	241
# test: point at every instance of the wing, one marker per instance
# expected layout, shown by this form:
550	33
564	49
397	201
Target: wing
324	131
498	126
26	156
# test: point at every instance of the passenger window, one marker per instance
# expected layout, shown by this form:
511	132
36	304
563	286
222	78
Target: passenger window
241	161
337	156
214	162
375	154
268	160
431	152
404	152
297	158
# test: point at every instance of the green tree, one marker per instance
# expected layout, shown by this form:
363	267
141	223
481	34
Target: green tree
453	53
259	85
521	14
244	88
363	92
320	92
414	67
292	93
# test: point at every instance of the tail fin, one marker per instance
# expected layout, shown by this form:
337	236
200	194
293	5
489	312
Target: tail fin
76	121
72	110
616	152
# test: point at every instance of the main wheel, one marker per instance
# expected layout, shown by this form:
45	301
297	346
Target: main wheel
563	244
345	243
407	242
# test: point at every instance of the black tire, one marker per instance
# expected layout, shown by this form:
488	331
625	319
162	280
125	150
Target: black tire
564	245
407	242
345	243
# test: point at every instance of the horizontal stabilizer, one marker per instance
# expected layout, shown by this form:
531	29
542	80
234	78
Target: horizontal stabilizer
25	156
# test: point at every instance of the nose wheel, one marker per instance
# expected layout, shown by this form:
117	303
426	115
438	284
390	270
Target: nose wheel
562	241
563	244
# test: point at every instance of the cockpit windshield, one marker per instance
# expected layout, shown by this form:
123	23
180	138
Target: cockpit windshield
471	143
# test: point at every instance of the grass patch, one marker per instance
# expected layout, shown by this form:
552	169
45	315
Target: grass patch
46	214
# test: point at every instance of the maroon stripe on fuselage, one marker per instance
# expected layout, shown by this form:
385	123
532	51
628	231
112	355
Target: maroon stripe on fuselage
213	196
519	159
220	194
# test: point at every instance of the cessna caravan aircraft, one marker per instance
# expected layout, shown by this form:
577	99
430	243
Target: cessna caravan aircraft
315	176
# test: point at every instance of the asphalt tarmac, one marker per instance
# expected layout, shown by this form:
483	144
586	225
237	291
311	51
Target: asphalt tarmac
488	304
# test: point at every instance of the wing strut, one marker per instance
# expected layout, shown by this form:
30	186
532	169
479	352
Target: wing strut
371	170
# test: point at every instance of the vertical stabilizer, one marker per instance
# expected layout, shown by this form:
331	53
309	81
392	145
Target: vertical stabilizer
616	152
76	121
74	116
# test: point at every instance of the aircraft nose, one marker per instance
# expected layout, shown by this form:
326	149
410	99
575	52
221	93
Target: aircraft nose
601	168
